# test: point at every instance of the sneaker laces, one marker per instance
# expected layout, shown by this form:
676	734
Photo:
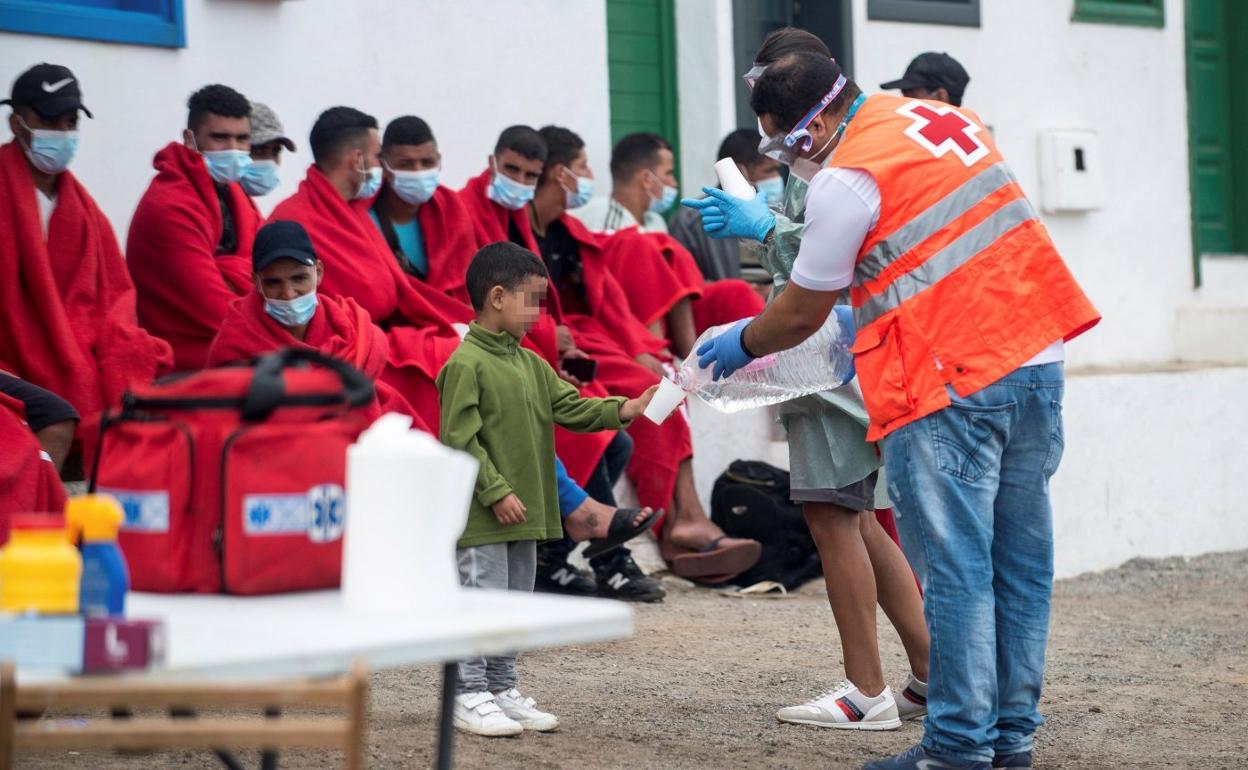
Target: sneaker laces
844	688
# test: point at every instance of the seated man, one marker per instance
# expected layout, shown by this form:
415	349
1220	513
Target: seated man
332	205
286	311
189	248
268	139
424	223
720	258
665	288
67	313
592	305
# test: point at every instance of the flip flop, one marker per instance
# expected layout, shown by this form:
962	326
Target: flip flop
621	530
723	558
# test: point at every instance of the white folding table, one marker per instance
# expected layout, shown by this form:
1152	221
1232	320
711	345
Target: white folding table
312	634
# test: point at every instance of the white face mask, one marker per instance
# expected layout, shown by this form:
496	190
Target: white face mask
806	168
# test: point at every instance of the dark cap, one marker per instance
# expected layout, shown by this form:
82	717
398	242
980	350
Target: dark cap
48	89
933	70
281	240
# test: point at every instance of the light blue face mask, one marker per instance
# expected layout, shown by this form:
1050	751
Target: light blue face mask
509	193
226	166
50	151
260	178
292	312
584	191
415	187
773	188
371	184
664	202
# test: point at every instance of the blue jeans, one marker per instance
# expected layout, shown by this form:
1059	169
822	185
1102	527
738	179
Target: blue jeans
970	490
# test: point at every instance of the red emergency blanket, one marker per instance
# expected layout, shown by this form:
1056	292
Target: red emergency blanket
339	328
415	316
67	317
28	480
184	287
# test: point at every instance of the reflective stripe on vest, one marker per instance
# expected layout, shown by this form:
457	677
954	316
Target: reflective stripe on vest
942	263
937	216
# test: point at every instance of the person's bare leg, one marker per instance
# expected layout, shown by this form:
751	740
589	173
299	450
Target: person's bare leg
688	525
56	440
897	592
851	590
681	332
591	520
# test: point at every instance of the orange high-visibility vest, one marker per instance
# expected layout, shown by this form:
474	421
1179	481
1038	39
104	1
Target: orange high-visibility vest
958	283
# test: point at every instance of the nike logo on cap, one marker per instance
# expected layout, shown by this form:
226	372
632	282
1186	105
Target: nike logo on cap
52	88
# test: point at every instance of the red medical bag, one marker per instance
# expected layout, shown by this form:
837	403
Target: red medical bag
232	479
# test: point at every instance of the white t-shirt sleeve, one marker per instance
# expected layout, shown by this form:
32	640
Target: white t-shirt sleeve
842	206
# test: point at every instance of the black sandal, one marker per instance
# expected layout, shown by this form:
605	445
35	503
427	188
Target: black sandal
621	530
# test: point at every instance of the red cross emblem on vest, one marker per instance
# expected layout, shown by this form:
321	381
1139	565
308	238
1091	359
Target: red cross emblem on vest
943	129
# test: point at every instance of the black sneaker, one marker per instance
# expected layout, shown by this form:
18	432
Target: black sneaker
619	577
556	576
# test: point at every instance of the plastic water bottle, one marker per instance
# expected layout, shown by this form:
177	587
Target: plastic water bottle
822	362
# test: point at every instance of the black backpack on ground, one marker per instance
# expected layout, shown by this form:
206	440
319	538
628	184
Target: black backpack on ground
751	500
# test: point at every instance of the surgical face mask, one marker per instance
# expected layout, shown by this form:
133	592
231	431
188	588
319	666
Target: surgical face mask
773	188
226	166
665	200
509	193
292	312
50	151
371	184
260	178
584	191
806	168
415	187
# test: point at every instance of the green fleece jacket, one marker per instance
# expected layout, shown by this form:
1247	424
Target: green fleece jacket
500	404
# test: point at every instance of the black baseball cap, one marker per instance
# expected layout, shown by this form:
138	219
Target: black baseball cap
933	70
48	89
281	240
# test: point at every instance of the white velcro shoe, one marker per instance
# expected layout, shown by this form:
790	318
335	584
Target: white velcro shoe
524	711
845	708
479	713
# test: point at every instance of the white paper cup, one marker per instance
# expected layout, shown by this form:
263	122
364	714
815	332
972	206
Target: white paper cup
664	402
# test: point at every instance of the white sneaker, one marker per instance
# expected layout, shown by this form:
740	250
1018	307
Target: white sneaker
912	702
479	713
524	710
845	708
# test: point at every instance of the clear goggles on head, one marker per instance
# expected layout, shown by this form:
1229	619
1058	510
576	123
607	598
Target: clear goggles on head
751	77
789	147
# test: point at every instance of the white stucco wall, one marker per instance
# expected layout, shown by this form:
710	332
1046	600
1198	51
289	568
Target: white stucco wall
707	83
1032	68
1154	466
470	69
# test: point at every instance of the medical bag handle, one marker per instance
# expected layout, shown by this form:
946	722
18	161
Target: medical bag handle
268	387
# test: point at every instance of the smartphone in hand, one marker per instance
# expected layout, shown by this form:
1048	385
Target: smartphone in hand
583	369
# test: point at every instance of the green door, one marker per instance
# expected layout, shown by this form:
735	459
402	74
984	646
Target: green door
641	66
1217	61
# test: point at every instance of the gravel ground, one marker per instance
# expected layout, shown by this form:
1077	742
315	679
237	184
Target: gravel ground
1147	668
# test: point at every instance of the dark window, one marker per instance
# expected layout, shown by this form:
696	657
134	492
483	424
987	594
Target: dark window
1142	13
963	13
752	20
142	22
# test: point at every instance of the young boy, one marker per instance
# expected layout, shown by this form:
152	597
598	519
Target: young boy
500	403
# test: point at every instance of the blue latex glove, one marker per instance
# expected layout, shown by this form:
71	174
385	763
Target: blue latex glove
725	351
725	216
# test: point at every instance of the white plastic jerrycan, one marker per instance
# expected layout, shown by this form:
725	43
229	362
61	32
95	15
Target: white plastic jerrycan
407	498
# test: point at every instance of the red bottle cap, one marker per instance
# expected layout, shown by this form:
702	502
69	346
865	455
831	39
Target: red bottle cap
38	521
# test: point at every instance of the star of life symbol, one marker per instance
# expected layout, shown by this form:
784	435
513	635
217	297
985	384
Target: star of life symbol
943	129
